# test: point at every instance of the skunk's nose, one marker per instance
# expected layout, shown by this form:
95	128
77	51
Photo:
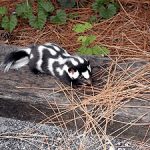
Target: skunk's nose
88	81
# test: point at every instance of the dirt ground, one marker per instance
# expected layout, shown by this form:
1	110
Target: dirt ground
126	34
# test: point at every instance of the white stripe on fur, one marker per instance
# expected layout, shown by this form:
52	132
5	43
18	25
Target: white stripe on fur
86	75
50	65
7	67
20	63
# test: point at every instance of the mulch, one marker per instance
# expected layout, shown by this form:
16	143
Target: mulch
127	34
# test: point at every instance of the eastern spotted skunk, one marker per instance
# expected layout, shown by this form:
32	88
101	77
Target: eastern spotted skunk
51	59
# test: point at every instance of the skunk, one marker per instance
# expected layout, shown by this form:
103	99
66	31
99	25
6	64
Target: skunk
51	59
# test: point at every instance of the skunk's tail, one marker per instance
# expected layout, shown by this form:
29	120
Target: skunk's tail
16	59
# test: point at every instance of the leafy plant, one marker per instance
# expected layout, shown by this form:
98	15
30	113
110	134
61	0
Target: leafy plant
46	5
105	8
80	28
3	10
95	50
39	20
9	23
36	21
86	40
86	49
67	3
24	10
59	18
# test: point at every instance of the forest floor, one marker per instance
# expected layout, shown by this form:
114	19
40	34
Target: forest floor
126	34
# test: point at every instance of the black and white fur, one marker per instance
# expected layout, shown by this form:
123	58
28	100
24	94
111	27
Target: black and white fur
50	59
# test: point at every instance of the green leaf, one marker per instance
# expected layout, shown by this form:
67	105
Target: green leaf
96	50
46	5
87	40
99	50
3	10
79	28
59	18
108	12
39	20
97	4
105	8
83	50
67	3
24	10
9	23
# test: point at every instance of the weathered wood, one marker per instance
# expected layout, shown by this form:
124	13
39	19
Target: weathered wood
39	97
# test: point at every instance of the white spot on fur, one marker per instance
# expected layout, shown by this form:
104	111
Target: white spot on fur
64	60
31	56
65	68
66	54
61	60
89	68
56	48
60	71
73	75
52	52
74	62
86	74
81	60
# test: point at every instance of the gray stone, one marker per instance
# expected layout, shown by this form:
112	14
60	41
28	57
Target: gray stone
27	97
22	135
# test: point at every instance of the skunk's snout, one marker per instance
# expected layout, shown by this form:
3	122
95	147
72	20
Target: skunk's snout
86	81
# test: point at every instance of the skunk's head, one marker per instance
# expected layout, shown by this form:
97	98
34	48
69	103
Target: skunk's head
80	71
